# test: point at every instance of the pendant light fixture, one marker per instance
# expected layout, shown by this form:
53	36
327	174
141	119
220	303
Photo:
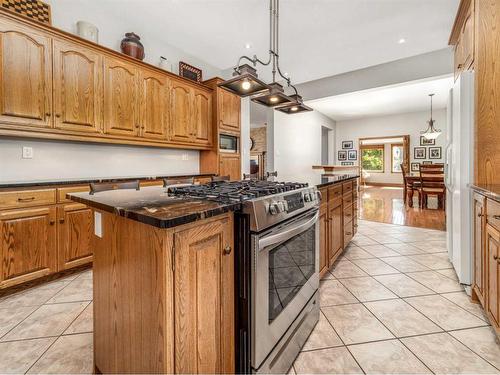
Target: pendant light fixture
431	132
245	81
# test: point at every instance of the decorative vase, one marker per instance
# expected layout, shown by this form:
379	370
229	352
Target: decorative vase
132	46
87	31
165	64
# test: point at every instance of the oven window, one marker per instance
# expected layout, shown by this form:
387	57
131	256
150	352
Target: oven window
291	264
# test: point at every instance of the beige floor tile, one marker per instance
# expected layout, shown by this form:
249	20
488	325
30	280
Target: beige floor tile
326	361
71	354
291	371
449	273
78	290
444	313
431	246
435	281
482	341
36	296
405	264
363	240
367	289
384	238
84	323
403	285
9	318
380	251
354	252
463	300
16	357
445	355
401	319
346	268
404	248
328	276
387	357
48	320
323	336
332	292
355	324
374	266
432	261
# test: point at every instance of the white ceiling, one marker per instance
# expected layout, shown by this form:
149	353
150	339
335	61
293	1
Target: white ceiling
404	98
318	38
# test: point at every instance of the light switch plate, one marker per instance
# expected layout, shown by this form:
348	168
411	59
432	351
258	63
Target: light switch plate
27	152
98	224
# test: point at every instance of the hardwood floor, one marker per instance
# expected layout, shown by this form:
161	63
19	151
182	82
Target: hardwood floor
385	205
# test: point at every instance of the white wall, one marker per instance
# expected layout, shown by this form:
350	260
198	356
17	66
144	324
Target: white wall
66	160
401	124
297	144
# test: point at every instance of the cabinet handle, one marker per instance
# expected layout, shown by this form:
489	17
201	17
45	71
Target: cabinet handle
348	233
137	126
497	217
58	115
459	66
26	199
495	257
52	222
61	221
480	215
47	114
227	250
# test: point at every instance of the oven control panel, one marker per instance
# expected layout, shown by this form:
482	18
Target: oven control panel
292	202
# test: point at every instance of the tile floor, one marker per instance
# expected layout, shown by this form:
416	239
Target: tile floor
391	304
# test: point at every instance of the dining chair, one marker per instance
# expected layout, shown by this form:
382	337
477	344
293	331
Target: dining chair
178	181
220	178
409	186
432	183
97	187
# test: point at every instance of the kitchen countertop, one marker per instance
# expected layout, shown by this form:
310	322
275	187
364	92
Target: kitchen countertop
153	206
492	191
328	179
76	181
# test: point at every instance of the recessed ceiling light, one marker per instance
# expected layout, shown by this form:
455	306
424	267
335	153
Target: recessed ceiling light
402	41
248	46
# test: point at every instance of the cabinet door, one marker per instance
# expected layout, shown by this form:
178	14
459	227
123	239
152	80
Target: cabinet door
75	231
230	165
204	299
77	88
120	98
323	240
202	117
154	106
25	77
229	111
479	256
27	245
336	232
181	98
467	39
493	253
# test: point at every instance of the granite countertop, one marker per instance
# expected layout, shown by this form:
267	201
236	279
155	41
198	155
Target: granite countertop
330	179
490	190
76	181
154	206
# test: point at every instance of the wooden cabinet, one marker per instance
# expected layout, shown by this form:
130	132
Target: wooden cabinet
77	88
203	299
75	229
324	231
493	254
121	98
479	255
463	36
230	109
154	105
230	165
202	124
25	76
335	232
27	244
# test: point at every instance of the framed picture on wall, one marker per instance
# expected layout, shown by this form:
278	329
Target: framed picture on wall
352	155
427	162
415	167
434	152
342	155
427	142
419	153
347	145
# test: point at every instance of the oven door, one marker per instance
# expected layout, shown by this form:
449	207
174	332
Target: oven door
285	276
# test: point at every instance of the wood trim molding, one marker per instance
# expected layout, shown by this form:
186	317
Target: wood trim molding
462	11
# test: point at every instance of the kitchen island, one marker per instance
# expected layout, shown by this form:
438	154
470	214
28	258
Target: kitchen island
163	282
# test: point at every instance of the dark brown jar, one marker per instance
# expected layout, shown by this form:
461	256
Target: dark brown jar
131	45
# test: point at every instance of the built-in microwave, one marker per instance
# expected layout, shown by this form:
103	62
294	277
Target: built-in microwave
228	143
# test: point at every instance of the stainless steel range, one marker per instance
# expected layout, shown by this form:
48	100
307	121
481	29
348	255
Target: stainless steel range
277	233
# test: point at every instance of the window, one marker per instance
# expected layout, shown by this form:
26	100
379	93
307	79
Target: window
397	157
372	158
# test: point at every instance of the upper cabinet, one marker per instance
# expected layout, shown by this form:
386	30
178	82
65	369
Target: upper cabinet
202	124
155	107
462	37
25	76
121	98
229	111
77	88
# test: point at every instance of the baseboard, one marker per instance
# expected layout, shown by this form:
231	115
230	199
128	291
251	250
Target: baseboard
385	184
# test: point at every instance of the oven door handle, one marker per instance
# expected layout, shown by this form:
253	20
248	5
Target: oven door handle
289	233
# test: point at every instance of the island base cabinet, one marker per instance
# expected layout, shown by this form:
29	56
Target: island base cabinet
164	298
493	253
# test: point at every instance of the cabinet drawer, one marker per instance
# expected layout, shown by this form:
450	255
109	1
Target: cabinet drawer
61	192
348	214
27	198
334	192
347	187
493	210
347	199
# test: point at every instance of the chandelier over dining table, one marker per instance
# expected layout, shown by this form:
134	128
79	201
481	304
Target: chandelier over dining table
245	81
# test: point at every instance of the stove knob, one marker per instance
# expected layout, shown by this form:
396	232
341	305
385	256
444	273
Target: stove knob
281	206
273	208
307	197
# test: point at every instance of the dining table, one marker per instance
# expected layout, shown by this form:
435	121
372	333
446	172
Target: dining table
413	177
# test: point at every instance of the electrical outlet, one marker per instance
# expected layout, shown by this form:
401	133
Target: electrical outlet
185	157
27	152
